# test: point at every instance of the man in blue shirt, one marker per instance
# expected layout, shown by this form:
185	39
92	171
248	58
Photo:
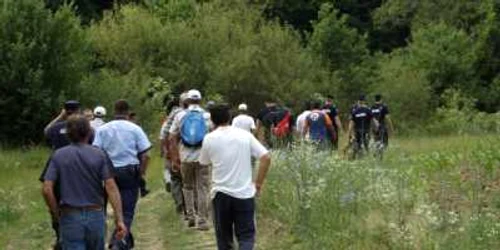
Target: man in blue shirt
55	132
127	146
85	175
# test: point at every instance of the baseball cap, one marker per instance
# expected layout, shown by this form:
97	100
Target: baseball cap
194	94
99	111
362	97
71	105
242	107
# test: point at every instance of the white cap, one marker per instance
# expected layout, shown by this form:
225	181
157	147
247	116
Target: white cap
243	107
99	111
194	95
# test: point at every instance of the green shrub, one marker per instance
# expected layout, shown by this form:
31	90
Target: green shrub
44	56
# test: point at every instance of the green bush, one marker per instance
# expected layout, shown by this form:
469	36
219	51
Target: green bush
223	48
44	56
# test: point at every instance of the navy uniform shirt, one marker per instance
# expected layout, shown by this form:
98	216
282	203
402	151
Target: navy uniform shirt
80	170
361	116
57	135
380	111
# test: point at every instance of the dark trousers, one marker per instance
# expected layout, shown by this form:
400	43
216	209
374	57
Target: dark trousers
176	179
128	185
234	216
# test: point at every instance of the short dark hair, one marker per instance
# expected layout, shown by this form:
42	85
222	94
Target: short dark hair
307	105
77	128
220	114
378	97
122	107
316	104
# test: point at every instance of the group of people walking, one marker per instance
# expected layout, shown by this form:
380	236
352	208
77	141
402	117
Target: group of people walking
207	160
209	163
320	123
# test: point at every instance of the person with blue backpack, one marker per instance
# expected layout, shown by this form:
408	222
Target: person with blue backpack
318	126
186	137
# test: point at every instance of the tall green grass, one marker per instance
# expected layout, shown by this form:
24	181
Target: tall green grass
428	193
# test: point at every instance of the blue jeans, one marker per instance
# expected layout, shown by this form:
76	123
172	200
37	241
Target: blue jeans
229	213
81	230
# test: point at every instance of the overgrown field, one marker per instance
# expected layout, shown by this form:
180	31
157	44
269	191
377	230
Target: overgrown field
428	193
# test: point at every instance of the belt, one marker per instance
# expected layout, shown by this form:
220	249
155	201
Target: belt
70	209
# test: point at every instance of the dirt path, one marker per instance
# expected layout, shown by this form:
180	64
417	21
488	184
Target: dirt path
158	227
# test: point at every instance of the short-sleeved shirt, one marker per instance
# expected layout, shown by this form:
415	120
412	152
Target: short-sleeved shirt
301	121
56	135
97	122
80	170
362	116
123	141
244	122
380	111
231	166
188	154
165	128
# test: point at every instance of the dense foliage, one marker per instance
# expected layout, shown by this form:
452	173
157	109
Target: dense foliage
412	52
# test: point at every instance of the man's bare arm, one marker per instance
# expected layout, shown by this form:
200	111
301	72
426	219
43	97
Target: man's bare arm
265	162
61	116
389	121
173	150
50	198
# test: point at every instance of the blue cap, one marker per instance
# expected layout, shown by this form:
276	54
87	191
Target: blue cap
71	105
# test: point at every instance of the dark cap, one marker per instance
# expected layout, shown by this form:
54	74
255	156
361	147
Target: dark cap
378	97
362	97
71	105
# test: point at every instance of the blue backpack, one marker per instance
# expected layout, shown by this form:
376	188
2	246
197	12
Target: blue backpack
193	128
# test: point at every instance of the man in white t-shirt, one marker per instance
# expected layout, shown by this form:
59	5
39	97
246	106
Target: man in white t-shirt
301	119
243	120
229	151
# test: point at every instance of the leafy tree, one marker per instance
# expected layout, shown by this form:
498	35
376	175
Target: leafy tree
43	57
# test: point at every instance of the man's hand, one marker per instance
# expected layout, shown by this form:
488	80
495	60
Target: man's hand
55	215
121	230
176	165
258	187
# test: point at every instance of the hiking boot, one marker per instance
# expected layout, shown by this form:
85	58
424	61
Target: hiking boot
144	192
203	225
168	187
191	222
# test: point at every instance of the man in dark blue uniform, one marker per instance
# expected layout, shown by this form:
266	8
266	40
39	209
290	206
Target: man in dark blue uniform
55	132
333	113
360	125
380	112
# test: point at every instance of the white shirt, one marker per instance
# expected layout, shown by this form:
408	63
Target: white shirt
97	122
188	154
229	150
244	122
301	121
